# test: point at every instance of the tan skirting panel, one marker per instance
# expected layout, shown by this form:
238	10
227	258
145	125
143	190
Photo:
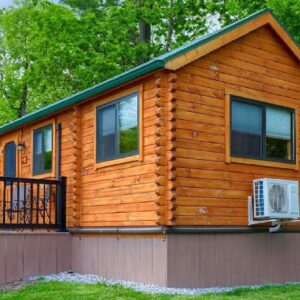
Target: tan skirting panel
134	259
179	260
33	254
192	260
206	260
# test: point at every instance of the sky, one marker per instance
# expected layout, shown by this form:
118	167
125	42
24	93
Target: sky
4	3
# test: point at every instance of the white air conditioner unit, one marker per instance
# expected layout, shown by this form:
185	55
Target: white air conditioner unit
276	199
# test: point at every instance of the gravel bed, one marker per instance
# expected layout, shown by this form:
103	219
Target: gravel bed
140	287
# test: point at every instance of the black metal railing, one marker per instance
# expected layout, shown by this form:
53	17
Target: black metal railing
28	203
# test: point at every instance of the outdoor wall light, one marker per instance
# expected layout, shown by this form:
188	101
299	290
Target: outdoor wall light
21	146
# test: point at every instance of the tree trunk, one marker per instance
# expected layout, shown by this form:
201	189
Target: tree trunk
23	103
24	92
144	32
170	27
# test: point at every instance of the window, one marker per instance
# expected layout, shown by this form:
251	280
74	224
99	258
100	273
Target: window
117	129
262	131
42	150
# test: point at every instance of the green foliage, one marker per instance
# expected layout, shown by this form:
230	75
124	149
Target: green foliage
232	10
128	140
47	161
49	51
29	50
82	5
287	11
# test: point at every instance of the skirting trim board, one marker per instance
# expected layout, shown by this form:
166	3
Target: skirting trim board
174	260
32	254
191	260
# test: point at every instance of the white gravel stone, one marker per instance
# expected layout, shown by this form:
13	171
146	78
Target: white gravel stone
140	287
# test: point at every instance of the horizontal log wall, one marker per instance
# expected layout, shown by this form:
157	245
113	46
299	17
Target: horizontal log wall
68	153
209	190
124	194
114	195
182	110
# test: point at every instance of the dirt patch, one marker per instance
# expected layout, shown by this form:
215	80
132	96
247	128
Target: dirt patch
16	285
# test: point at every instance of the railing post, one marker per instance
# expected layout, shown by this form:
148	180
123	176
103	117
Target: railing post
61	205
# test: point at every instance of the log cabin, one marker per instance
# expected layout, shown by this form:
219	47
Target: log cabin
150	171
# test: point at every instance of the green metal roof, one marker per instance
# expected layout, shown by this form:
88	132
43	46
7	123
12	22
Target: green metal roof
155	64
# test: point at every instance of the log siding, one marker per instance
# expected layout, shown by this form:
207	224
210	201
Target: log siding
183	174
212	186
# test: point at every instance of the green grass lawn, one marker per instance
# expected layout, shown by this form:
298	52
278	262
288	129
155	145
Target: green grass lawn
68	291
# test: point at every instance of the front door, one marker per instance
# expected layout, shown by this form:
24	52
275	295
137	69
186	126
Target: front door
10	160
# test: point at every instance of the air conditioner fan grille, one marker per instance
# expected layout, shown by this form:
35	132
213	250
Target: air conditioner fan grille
278	198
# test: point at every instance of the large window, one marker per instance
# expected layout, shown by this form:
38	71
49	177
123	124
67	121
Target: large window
117	129
42	150
262	131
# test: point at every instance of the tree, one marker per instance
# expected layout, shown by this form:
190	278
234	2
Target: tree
29	50
47	53
287	11
82	5
147	28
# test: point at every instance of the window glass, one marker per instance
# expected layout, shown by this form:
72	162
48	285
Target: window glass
128	124
117	129
38	150
38	142
247	117
261	130
47	160
48	138
108	122
278	133
246	129
108	131
278	123
42	158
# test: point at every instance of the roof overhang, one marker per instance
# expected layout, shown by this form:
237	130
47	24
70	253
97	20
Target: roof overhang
79	97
